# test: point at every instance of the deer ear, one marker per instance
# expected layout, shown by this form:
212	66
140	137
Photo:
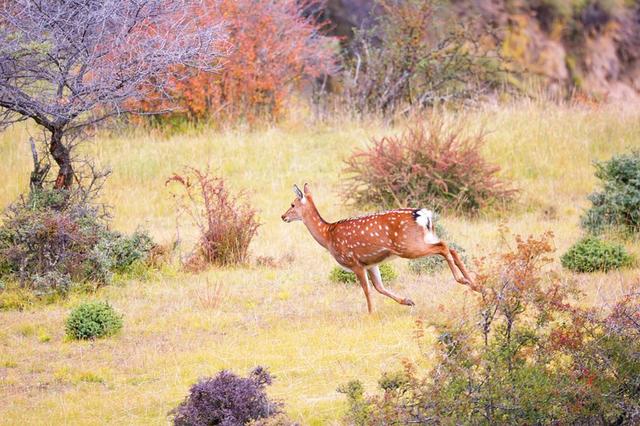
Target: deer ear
307	191
297	191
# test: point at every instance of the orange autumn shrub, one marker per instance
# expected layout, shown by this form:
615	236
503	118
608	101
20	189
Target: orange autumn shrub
529	352
273	46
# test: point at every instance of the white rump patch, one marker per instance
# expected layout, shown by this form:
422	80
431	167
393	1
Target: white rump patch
424	218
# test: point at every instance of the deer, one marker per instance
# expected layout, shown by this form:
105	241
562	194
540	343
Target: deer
361	243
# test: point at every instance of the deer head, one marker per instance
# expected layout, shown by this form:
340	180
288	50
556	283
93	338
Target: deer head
299	204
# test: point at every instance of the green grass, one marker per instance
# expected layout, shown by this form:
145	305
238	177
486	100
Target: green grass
314	335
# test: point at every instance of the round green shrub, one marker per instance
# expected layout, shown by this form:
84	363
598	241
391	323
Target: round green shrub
339	275
92	320
617	205
592	254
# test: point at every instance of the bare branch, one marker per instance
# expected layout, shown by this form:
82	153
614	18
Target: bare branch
69	64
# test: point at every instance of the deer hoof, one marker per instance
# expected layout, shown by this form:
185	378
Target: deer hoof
408	302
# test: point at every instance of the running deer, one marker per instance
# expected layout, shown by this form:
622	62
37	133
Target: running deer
360	244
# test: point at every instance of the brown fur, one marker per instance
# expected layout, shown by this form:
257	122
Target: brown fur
359	244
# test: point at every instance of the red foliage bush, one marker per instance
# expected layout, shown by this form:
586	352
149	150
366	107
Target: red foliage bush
529	353
273	44
226	224
438	166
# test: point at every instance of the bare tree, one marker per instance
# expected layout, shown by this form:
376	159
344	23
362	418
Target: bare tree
71	64
415	55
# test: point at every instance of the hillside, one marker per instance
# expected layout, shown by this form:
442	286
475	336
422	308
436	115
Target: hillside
589	47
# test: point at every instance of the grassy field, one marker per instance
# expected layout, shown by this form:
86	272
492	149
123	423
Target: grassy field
313	335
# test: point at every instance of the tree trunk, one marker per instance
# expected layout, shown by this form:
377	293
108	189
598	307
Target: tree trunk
39	172
62	157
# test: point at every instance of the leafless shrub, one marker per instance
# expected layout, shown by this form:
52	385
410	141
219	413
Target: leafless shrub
210	296
413	56
226	223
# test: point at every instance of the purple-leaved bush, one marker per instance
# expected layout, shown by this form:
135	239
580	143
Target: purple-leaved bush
227	400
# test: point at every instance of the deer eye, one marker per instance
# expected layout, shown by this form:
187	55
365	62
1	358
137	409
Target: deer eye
292	205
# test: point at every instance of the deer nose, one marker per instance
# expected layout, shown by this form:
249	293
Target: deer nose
284	219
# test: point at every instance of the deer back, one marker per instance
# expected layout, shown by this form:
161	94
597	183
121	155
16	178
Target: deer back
373	238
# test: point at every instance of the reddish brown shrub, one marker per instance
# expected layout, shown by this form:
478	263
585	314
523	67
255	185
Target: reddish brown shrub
528	353
226	223
437	165
274	44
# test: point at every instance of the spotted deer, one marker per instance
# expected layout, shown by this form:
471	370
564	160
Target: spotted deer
360	244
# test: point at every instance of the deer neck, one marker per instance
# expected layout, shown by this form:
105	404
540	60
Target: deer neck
316	225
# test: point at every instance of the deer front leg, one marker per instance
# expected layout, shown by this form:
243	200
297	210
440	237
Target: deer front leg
361	273
376	278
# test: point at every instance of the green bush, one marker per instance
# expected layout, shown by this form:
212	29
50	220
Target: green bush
592	254
357	413
339	275
123	251
93	320
392	381
52	239
618	203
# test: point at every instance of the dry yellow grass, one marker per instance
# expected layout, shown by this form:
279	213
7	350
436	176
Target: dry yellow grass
312	334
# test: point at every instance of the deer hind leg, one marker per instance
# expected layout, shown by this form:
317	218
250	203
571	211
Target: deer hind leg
361	273
376	279
454	263
456	258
